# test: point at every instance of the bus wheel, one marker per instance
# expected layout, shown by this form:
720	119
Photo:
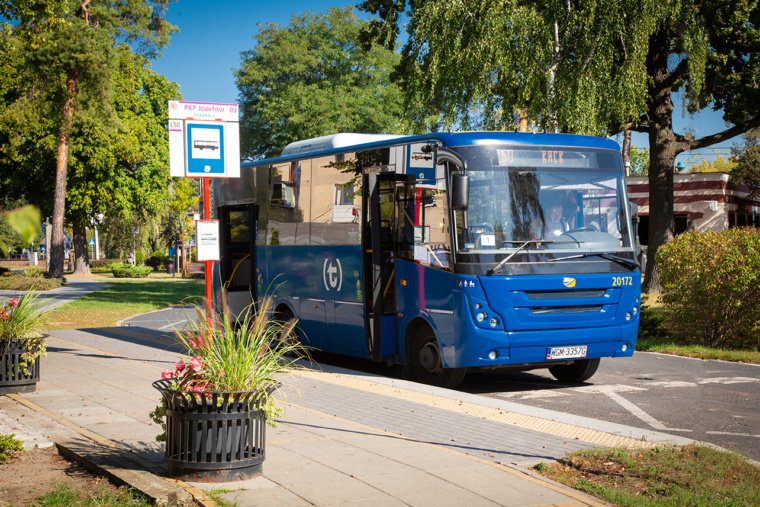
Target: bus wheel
576	372
425	362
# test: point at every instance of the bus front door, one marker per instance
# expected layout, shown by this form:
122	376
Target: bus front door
379	249
238	251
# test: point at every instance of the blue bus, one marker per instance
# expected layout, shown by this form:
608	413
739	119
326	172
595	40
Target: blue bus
442	252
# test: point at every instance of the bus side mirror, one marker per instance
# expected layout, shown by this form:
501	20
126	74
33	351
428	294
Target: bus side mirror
460	192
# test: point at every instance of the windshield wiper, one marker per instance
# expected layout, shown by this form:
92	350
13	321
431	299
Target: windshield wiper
614	258
519	248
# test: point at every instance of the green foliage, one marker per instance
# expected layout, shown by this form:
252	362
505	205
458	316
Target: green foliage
139	258
103	263
64	496
121	270
9	444
157	260
651	321
711	287
747	158
21	282
21	225
639	161
312	79
718	164
62	104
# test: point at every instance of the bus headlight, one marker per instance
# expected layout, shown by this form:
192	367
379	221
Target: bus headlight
628	316
635	310
494	322
482	316
493	355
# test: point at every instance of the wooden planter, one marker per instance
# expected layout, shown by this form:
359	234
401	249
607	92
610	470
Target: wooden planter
12	380
213	437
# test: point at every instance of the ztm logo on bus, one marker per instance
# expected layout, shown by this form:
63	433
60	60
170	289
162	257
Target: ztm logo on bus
568	282
332	275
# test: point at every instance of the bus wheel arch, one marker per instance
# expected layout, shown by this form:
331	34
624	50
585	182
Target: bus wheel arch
423	357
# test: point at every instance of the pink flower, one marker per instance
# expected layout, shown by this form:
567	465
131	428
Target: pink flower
167	374
192	343
196	364
221	373
179	365
13	302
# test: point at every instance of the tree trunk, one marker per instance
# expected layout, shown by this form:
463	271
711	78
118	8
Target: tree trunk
81	252
663	149
55	265
627	152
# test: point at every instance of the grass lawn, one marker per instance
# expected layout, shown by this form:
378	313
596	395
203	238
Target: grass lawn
671	476
123	299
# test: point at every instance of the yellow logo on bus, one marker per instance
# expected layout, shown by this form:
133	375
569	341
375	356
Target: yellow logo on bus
568	282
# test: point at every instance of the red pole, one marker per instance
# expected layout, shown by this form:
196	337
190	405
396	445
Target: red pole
207	216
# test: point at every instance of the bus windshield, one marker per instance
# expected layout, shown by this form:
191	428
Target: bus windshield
539	204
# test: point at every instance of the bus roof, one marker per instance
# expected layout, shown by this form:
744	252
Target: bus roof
347	142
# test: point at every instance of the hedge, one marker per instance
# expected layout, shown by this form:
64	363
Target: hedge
121	270
711	287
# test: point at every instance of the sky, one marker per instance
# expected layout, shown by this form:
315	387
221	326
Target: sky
202	57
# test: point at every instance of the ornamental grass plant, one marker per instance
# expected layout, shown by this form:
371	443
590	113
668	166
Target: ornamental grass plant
21	322
224	354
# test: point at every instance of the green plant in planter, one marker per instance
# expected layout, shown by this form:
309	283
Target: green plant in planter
227	355
21	321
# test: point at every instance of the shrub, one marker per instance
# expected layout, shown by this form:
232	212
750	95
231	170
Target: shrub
35	273
9	445
711	287
139	259
156	260
103	263
651	321
121	270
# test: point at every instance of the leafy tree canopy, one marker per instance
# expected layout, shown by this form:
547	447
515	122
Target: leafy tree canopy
588	66
747	158
312	79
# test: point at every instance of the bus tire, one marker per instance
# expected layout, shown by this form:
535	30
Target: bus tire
425	362
579	371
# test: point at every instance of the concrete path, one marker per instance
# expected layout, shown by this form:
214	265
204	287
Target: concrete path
74	289
346	437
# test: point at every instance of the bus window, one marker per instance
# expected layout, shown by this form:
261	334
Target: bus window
424	232
334	216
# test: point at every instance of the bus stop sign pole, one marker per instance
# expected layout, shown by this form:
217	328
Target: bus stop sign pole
207	216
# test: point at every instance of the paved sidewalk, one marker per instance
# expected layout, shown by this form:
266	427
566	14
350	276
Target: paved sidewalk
74	289
346	437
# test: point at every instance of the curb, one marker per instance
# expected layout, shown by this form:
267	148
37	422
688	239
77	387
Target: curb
114	464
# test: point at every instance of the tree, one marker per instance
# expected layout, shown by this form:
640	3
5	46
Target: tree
121	171
747	158
69	50
590	67
312	79
639	161
719	164
177	223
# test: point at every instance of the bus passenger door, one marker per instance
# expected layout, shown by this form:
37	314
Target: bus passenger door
238	255
378	249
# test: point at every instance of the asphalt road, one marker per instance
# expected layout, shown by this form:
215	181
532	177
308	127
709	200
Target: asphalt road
710	401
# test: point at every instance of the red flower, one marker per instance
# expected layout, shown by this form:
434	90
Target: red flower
167	374
13	302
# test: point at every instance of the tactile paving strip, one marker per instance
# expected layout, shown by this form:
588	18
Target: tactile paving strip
550	427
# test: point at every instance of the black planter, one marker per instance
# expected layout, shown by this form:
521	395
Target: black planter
12	380
213	437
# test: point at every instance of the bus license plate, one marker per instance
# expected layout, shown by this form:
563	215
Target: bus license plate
566	352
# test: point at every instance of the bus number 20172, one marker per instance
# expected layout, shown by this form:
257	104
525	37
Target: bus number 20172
622	280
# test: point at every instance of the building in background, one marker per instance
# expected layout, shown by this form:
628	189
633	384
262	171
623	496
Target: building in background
701	201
